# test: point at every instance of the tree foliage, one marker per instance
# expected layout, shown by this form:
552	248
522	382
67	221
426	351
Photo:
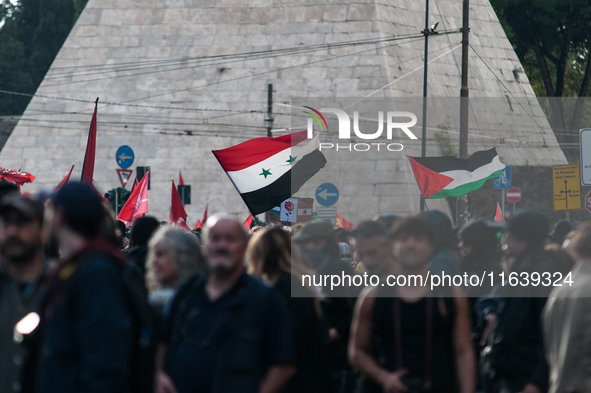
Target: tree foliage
31	35
552	39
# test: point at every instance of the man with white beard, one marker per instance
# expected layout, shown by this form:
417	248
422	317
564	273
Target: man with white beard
226	332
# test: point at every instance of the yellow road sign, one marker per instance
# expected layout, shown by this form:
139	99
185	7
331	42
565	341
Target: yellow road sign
567	187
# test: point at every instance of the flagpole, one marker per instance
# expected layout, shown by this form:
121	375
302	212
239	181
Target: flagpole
503	203
269	124
425	64
462	202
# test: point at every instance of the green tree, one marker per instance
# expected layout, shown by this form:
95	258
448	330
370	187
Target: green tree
552	39
32	33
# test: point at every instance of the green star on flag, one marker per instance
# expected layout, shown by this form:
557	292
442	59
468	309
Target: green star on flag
266	172
291	159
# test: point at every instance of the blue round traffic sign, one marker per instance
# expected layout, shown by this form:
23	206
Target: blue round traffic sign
327	194
124	157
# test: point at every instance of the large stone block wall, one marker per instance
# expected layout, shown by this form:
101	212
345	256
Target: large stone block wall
107	53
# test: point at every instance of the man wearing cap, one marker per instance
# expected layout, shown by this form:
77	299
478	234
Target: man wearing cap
226	332
318	244
23	262
86	337
514	359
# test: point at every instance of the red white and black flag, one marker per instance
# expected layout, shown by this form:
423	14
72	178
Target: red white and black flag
267	171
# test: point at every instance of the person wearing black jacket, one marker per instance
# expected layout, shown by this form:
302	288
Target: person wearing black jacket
318	245
514	360
271	257
86	335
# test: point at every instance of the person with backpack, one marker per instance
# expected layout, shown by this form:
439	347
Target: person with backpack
87	323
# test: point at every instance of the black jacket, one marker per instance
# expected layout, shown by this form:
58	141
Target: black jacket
310	336
86	326
517	349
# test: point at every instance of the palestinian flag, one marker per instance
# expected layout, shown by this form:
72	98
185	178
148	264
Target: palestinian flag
267	171
442	177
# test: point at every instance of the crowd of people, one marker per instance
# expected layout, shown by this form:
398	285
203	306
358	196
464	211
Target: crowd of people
90	305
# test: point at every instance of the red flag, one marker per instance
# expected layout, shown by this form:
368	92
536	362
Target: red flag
198	224
178	215
137	204
248	222
88	166
181	180
17	177
135	183
205	215
498	214
342	223
60	185
63	182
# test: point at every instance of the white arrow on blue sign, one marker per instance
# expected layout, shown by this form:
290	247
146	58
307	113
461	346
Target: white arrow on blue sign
327	194
124	156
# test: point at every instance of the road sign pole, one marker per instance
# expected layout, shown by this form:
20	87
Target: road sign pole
116	202
513	209
567	216
503	203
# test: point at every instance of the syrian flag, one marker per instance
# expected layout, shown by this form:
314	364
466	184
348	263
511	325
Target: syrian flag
442	177
267	171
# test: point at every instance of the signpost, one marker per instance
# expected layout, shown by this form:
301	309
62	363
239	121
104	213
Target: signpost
124	156
588	201
567	187
327	214
503	182
327	194
513	196
124	175
585	142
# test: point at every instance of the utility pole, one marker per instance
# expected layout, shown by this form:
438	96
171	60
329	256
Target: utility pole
269	124
269	118
426	33
462	206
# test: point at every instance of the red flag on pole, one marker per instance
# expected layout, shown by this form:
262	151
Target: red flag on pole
498	214
205	215
60	185
63	182
88	166
178	215
135	183
137	204
198	224
181	180
248	222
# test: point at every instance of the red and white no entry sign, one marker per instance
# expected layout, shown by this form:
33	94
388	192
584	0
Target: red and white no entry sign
588	201
514	195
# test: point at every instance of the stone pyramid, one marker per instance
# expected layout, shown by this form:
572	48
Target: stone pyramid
178	78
